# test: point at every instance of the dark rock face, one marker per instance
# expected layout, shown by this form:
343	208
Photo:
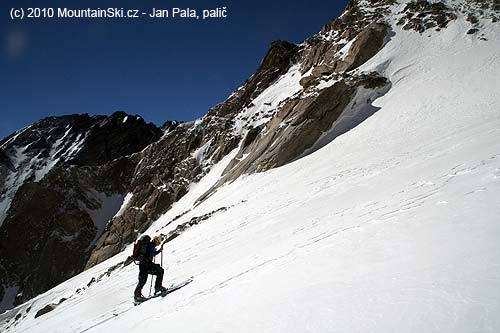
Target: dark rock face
38	247
5	162
119	135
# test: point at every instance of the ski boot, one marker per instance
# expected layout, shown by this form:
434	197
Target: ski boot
139	299
161	292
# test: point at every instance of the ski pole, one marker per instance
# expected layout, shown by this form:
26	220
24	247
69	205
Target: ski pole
151	284
162	243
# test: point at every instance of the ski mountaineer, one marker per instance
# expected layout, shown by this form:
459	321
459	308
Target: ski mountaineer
146	251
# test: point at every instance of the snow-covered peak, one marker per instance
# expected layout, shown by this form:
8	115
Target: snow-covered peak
33	151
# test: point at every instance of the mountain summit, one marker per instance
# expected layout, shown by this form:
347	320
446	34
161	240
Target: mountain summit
350	184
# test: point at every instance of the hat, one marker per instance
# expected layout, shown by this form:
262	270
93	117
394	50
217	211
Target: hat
157	240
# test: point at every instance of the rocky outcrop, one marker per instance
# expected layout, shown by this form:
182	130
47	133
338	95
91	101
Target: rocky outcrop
324	49
422	15
46	309
276	63
365	46
345	43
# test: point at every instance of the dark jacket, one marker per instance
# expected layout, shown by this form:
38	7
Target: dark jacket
152	251
146	265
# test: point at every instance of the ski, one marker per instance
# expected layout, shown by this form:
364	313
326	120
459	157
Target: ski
173	287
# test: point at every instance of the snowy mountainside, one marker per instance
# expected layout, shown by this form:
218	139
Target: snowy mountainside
386	222
30	153
61	180
34	163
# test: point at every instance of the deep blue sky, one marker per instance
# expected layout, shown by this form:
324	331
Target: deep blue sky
159	69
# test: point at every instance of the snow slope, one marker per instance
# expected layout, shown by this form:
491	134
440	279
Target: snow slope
392	227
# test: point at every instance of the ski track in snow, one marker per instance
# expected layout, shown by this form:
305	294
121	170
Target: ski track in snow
392	227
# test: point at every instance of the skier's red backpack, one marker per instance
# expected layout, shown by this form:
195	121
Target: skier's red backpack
141	248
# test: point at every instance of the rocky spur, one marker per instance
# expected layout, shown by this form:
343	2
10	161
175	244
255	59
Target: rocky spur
219	12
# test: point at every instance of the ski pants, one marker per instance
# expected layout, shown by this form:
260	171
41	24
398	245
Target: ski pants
145	268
